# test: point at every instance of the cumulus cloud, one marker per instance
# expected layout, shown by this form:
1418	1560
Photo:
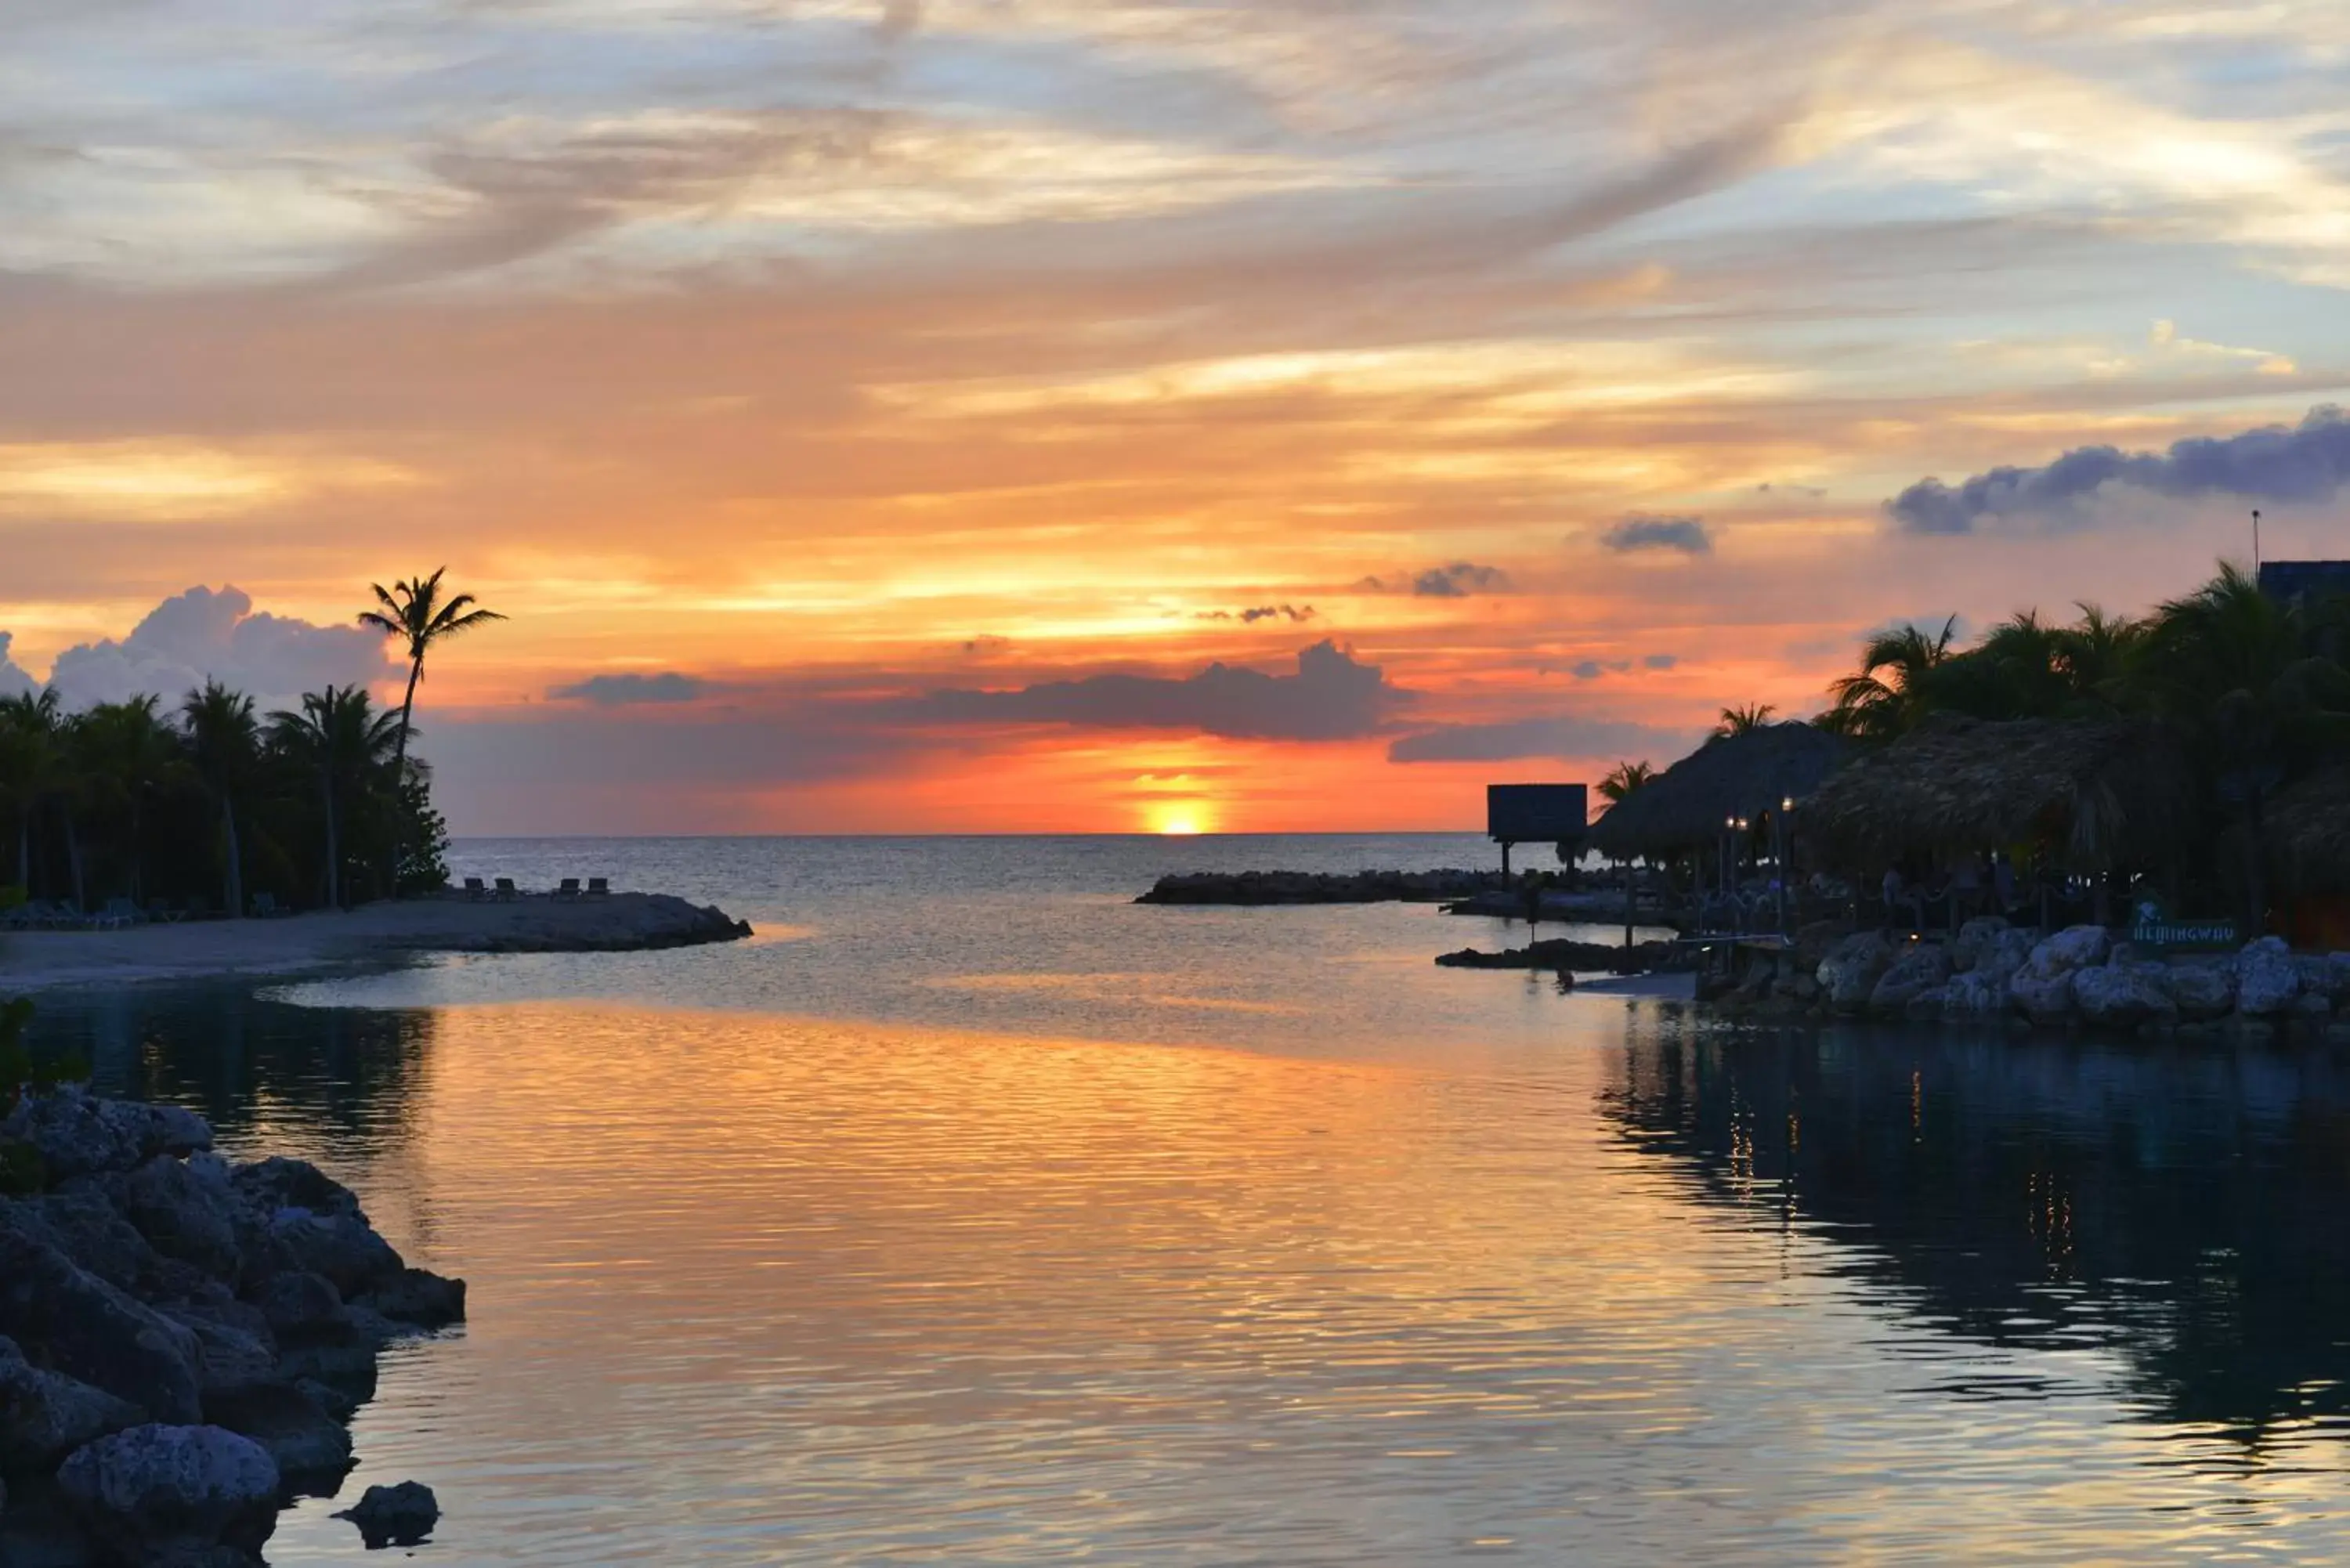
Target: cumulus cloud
1687	534
1561	736
2307	462
625	691
1660	661
13	679
1331	697
216	634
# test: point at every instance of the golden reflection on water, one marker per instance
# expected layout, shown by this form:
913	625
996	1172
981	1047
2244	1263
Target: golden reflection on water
760	1290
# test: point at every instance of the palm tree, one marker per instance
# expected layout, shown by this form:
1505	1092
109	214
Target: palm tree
31	758
340	738
1893	689
127	757
1743	721
414	610
223	744
1624	779
2241	675
41	760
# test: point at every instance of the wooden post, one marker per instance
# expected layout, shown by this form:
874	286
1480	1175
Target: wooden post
1631	903
1505	862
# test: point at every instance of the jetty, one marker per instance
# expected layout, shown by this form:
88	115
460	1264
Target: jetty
332	939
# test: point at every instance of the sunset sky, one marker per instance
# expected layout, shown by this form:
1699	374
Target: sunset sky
885	416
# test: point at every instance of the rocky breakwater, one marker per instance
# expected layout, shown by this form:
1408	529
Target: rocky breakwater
1252	888
1560	956
619	922
182	1340
2077	977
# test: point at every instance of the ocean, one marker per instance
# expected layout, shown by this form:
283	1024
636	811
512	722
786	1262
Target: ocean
972	1214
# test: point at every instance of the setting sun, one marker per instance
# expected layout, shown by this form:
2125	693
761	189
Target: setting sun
1179	818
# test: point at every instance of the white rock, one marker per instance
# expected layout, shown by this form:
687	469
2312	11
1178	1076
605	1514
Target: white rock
2267	980
1852	968
2121	996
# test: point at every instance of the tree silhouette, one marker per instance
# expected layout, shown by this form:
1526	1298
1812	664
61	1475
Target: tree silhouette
224	742
344	743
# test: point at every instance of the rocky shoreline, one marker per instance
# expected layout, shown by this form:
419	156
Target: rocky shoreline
326	939
1246	888
182	1340
1560	956
2078	978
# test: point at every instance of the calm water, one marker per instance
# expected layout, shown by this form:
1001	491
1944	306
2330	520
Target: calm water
974	1216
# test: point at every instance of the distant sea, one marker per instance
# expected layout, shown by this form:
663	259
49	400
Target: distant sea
972	1214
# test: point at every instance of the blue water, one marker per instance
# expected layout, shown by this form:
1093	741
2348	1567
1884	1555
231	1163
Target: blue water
974	1215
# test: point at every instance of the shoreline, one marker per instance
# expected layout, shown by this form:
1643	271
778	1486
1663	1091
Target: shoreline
326	940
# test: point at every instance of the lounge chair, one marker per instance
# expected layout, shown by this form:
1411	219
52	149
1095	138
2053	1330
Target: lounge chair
118	913
600	886
162	912
265	906
476	888
506	888
567	888
199	907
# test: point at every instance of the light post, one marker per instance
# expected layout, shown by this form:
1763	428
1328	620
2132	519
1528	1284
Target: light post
1779	853
1738	854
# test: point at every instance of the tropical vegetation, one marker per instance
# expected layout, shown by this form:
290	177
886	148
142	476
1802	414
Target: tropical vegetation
2253	688
204	803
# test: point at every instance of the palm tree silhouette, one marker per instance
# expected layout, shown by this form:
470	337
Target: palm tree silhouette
1896	668
224	742
32	764
414	610
1624	779
1743	721
341	739
128	756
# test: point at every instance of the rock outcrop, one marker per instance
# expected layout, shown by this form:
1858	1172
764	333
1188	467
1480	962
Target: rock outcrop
1255	888
400	1515
173	1494
1562	957
2267	979
181	1340
1848	975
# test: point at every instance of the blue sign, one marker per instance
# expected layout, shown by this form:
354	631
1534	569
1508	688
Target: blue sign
2153	927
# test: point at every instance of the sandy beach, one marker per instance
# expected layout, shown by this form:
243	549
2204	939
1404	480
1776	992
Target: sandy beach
41	961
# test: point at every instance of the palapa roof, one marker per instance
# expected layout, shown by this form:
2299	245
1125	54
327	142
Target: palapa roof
1730	775
2107	794
2308	832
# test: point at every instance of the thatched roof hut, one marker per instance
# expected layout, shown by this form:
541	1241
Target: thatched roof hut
2308	833
2103	795
1730	775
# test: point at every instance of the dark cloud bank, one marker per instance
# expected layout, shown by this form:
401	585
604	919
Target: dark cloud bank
2307	462
1565	735
1331	697
629	691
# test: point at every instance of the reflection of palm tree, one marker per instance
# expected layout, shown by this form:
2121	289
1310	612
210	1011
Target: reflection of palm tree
1897	665
414	611
224	742
343	740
